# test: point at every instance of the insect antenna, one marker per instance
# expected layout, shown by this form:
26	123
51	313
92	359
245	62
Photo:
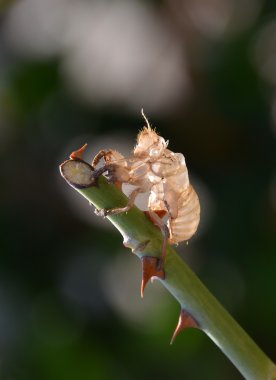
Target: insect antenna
148	127
145	117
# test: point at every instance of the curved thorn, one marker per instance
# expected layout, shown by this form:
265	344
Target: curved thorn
77	154
185	321
150	269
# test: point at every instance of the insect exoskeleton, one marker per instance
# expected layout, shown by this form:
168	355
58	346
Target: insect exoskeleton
153	168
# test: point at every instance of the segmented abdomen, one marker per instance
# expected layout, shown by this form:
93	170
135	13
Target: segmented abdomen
185	224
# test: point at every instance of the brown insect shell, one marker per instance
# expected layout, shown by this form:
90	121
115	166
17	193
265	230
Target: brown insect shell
170	164
175	194
137	170
173	180
117	166
154	168
186	223
149	144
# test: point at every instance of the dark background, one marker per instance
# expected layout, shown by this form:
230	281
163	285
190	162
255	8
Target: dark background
79	71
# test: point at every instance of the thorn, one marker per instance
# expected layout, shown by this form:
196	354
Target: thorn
185	321
77	154
149	270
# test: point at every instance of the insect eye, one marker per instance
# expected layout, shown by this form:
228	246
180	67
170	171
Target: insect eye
154	152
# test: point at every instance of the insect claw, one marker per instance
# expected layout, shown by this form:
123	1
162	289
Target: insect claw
110	180
160	265
77	154
101	212
185	321
149	270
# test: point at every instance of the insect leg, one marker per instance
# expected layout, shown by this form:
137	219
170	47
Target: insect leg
166	234
101	154
100	171
119	210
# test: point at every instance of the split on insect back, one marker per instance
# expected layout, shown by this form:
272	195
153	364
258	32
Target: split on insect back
173	205
152	168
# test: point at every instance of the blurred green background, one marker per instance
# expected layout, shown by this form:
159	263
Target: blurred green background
80	71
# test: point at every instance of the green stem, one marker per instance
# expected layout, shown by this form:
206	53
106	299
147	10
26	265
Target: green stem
181	282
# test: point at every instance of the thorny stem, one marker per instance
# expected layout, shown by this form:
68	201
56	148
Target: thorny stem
182	283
